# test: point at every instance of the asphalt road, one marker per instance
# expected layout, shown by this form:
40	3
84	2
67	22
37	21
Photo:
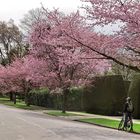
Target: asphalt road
16	124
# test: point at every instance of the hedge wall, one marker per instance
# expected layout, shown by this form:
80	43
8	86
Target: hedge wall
41	97
134	93
106	95
74	100
127	85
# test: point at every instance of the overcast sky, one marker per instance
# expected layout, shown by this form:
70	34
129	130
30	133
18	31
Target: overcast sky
15	9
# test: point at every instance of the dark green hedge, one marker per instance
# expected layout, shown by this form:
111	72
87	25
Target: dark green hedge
41	97
74	100
126	85
105	96
134	93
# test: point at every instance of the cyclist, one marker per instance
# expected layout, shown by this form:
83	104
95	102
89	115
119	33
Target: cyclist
128	110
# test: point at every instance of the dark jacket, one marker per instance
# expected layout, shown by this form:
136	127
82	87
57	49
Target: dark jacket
126	106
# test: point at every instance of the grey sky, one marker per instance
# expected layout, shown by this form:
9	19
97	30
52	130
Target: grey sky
15	9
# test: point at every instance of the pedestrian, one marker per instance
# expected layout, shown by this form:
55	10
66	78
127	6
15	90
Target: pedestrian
128	110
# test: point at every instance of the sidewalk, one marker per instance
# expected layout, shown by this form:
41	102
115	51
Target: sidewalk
82	115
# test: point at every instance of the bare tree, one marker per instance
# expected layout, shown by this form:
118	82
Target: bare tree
11	42
33	16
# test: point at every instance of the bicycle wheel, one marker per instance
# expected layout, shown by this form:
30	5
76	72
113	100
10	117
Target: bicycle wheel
129	126
121	125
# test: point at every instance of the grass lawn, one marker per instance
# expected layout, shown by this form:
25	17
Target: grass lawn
20	104
59	113
108	123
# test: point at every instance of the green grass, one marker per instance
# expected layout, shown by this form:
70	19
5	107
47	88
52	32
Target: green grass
59	113
108	123
20	104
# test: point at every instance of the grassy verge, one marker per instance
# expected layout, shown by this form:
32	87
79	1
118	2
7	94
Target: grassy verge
20	104
59	113
108	123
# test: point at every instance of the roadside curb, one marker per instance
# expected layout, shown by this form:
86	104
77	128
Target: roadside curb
77	120
106	127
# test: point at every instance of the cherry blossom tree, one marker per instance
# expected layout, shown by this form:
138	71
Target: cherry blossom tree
121	47
17	78
126	14
51	66
68	64
13	79
56	59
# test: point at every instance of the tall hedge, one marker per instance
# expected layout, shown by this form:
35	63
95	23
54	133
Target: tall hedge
41	97
105	96
134	93
74	100
127	85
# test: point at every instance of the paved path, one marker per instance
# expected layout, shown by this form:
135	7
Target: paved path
16	124
82	115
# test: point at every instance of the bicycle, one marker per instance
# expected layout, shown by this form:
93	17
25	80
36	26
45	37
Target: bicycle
129	125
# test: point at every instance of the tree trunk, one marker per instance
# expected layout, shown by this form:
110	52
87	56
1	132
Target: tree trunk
64	100
27	99
14	97
11	96
27	94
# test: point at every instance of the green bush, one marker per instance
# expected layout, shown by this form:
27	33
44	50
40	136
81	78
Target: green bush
105	96
126	85
57	101
41	97
74	100
134	93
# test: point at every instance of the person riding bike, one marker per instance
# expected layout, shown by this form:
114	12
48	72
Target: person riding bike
128	110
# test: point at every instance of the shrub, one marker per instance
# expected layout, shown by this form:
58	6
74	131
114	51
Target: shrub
126	85
74	100
41	97
134	93
106	96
